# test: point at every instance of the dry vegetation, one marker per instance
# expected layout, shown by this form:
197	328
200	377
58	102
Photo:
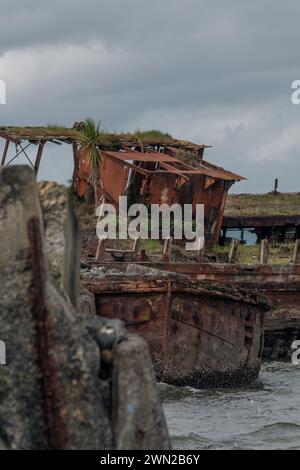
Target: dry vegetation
263	204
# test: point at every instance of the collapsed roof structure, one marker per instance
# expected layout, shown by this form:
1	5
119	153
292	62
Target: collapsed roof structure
148	169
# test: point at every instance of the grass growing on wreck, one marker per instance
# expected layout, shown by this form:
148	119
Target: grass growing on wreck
55	127
263	204
149	136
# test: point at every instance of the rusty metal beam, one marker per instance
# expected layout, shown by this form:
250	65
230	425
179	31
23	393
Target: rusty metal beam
49	382
137	168
24	151
172	169
19	153
5	152
39	156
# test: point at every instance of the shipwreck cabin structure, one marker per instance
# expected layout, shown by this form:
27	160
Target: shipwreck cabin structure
146	170
154	177
254	217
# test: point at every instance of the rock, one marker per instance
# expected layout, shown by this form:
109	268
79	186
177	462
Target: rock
55	389
114	272
139	270
21	410
138	419
50	390
87	304
62	235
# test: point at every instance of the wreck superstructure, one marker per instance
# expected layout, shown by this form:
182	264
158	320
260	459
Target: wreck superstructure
148	171
274	215
157	177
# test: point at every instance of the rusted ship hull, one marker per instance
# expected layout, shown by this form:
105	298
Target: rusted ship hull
200	336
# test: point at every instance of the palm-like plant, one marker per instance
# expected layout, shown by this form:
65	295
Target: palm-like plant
91	137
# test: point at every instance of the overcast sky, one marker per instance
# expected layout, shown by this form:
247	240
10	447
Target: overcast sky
212	71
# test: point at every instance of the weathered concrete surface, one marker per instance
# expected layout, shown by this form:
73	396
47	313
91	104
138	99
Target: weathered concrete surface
55	390
21	413
138	419
50	391
86	305
62	235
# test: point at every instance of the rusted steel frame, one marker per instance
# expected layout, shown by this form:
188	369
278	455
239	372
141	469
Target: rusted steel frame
51	395
115	285
226	187
39	155
137	168
129	149
222	269
76	156
137	285
203	330
19	153
31	164
5	152
259	221
8	137
173	170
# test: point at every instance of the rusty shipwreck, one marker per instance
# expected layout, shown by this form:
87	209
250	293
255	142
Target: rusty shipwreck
204	336
200	334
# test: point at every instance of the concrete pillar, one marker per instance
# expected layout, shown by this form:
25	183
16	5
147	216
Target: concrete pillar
138	418
62	236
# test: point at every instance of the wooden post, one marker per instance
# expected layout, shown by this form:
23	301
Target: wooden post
233	251
135	249
200	254
167	250
296	254
264	251
101	249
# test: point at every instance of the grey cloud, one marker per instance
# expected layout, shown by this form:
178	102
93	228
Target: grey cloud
212	71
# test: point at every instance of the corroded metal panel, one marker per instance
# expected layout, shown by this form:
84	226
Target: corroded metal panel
198	335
